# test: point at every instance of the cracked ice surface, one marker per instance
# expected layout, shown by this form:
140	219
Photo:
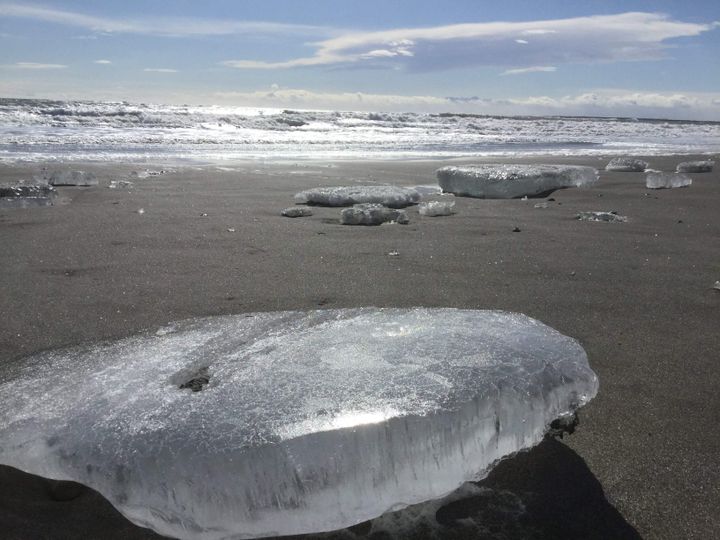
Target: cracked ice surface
290	422
391	196
499	181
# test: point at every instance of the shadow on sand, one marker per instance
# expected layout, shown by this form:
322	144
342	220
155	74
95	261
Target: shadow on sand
545	493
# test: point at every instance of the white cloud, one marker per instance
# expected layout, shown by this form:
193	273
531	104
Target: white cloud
603	102
532	69
160	70
156	26
105	62
600	38
34	65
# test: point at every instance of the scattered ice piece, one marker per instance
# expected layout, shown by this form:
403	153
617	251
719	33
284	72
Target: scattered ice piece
391	196
301	422
297	211
23	194
717	286
114	184
231	229
496	181
72	178
147	173
695	166
141	211
204	214
610	217
516	229
394	253
626	164
524	198
427	190
436	208
541	205
662	180
372	214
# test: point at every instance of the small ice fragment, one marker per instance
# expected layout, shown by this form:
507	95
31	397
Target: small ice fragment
436	208
372	214
717	286
498	181
394	253
663	180
425	190
524	198
695	166
391	196
296	211
114	184
541	205
610	217
231	229
141	211
303	421
147	173
626	164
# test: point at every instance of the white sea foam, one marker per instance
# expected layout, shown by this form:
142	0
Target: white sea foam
40	130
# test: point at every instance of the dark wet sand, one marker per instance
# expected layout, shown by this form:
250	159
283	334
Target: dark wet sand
638	295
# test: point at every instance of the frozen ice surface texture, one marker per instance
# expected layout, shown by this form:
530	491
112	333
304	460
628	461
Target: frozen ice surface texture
662	180
290	422
695	166
499	181
391	196
436	208
372	214
296	211
72	178
610	217
626	164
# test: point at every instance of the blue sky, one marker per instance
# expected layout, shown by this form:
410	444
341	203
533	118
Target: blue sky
612	58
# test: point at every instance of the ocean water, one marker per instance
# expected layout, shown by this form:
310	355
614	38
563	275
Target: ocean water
47	130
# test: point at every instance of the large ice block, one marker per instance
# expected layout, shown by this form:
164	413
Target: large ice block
502	181
626	164
290	422
665	180
390	196
695	166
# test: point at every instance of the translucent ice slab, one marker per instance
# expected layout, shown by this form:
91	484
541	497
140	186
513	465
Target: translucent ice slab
500	181
290	422
391	196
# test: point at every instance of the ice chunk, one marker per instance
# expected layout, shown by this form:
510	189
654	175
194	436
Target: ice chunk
114	184
695	166
23	194
661	180
72	178
611	217
391	196
436	208
372	214
497	181
296	211
290	422
626	164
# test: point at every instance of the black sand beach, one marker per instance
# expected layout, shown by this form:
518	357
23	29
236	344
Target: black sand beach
645	461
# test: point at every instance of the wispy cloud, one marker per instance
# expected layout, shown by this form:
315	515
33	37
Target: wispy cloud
157	26
160	70
34	65
104	62
532	69
600	38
